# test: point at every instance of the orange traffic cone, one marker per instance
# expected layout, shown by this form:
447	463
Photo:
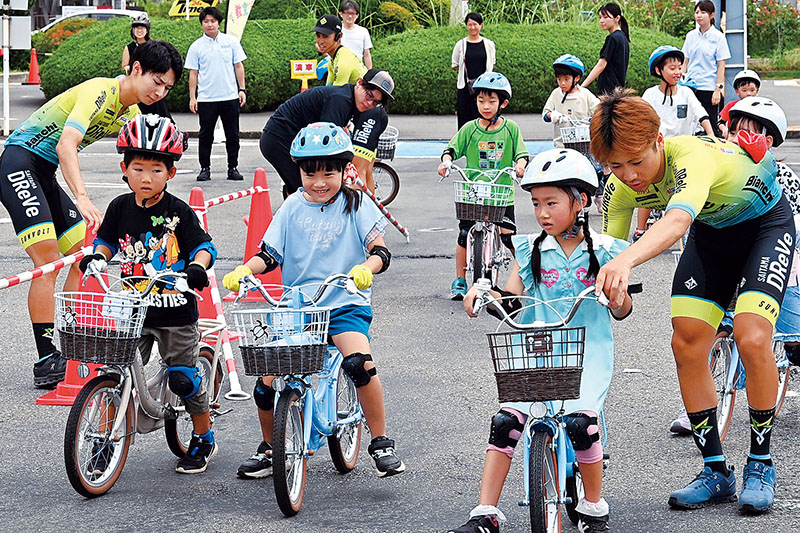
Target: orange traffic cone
78	374
33	70
257	223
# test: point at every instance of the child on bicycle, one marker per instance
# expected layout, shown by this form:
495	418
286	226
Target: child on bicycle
569	101
678	108
154	231
560	261
326	228
746	83
490	142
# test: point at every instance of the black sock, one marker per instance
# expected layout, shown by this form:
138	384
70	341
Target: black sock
760	434
706	437
43	335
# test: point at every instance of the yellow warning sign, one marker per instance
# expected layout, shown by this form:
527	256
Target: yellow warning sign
178	8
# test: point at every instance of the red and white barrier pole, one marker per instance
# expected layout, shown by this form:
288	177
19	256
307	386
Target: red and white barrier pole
38	272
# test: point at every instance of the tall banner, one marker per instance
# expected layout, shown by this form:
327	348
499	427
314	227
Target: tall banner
238	11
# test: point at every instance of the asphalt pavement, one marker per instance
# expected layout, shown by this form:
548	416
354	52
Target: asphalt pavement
440	395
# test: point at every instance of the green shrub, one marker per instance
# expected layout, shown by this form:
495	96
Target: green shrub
47	42
419	61
397	18
772	27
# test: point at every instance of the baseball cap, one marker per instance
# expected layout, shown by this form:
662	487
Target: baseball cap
381	80
328	24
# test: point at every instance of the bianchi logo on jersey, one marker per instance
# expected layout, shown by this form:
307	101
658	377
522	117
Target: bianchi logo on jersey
73	214
690	283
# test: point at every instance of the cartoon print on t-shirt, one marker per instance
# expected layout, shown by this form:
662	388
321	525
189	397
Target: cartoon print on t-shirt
490	153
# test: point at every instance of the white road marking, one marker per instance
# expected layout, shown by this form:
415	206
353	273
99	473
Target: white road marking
786	83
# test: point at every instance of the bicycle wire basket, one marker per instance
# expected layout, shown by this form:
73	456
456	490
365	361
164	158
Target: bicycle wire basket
576	137
480	200
99	328
283	341
540	365
387	143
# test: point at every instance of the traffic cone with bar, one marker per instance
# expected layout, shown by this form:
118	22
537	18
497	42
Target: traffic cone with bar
77	374
257	222
33	70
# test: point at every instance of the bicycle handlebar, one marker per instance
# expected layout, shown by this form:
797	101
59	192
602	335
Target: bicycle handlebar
511	171
250	282
180	282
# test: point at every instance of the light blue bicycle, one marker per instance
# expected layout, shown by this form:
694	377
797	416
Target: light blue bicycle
316	401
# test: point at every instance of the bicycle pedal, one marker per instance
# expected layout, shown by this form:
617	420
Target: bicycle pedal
216	412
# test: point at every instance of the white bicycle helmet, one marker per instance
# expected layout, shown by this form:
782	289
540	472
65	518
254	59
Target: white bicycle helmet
765	112
561	167
745	76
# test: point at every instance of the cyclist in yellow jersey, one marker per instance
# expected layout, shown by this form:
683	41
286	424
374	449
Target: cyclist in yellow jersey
344	65
46	220
742	235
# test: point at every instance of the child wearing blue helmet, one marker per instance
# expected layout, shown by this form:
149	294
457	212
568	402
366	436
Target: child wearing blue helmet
568	101
322	229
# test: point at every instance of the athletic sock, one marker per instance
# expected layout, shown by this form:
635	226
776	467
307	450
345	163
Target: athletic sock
43	336
760	434
706	437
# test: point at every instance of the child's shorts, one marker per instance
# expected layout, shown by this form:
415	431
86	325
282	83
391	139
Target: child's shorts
508	222
351	318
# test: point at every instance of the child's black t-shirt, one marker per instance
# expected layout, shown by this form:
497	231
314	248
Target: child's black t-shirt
616	51
154	239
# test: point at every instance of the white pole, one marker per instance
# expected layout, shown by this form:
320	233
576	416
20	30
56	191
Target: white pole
6	66
187	9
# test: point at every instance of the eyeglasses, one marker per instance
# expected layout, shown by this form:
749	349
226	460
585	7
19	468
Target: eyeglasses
369	95
350	13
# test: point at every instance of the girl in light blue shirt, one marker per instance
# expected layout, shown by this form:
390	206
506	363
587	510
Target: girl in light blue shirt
560	262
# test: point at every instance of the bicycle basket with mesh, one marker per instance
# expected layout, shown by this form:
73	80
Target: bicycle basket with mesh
283	341
480	200
99	328
387	143
576	137
540	365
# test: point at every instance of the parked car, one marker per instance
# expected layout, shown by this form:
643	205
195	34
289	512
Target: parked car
96	14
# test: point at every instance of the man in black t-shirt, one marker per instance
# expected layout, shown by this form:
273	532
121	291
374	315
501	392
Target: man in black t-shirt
362	102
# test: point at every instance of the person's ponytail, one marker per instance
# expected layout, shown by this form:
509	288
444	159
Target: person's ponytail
623	25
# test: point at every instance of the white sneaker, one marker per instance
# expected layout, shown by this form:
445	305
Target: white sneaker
681	424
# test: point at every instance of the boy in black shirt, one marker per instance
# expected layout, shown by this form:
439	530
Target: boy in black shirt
153	231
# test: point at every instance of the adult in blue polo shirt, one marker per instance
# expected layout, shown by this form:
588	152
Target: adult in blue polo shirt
216	90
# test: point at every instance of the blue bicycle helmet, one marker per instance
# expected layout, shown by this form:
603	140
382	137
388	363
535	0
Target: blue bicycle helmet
322	140
570	62
660	54
688	82
493	81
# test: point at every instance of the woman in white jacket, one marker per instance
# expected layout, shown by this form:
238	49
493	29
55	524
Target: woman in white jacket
472	56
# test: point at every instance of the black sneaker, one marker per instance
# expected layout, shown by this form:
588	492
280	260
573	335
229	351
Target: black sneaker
204	175
479	524
234	174
196	459
259	464
381	449
102	451
592	524
49	370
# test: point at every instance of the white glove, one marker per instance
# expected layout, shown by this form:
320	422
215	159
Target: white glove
563	119
98	265
555	117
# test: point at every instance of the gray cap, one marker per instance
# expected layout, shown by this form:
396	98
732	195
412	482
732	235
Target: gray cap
381	80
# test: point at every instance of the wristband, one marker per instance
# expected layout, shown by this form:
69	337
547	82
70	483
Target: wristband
198	263
243	91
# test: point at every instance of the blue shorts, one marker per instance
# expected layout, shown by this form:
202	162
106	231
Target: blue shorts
351	318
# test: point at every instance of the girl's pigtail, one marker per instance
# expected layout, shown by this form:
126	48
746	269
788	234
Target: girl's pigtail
594	264
536	258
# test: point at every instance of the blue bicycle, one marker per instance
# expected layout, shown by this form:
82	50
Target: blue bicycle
315	402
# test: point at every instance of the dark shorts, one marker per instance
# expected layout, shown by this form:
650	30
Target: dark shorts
509	221
351	318
755	256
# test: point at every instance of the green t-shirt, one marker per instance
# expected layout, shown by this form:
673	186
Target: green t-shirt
489	150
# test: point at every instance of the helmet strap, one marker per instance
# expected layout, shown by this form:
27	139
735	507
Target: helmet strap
577	226
156	197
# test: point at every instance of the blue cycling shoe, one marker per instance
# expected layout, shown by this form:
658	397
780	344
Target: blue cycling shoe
459	289
758	488
708	488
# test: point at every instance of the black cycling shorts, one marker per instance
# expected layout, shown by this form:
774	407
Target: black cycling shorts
755	256
38	206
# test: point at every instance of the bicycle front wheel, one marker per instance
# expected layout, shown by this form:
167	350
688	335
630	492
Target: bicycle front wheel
387	182
720	360
346	443
289	460
477	256
179	431
784	371
93	459
543	487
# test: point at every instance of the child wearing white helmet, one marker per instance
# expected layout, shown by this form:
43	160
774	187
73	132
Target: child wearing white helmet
746	83
569	100
562	260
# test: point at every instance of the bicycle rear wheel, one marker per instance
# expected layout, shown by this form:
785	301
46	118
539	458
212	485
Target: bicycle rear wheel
92	458
478	267
575	493
784	371
289	460
720	360
543	488
387	182
179	431
346	443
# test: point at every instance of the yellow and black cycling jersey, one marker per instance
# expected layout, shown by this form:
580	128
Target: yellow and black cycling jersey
344	67
716	182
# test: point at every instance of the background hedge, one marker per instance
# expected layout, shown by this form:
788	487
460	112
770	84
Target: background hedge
419	60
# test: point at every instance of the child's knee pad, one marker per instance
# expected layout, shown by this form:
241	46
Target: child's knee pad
582	430
505	431
505	238
353	366
462	237
184	381
264	395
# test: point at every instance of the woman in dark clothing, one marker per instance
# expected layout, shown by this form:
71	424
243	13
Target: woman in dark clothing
140	33
472	56
612	67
